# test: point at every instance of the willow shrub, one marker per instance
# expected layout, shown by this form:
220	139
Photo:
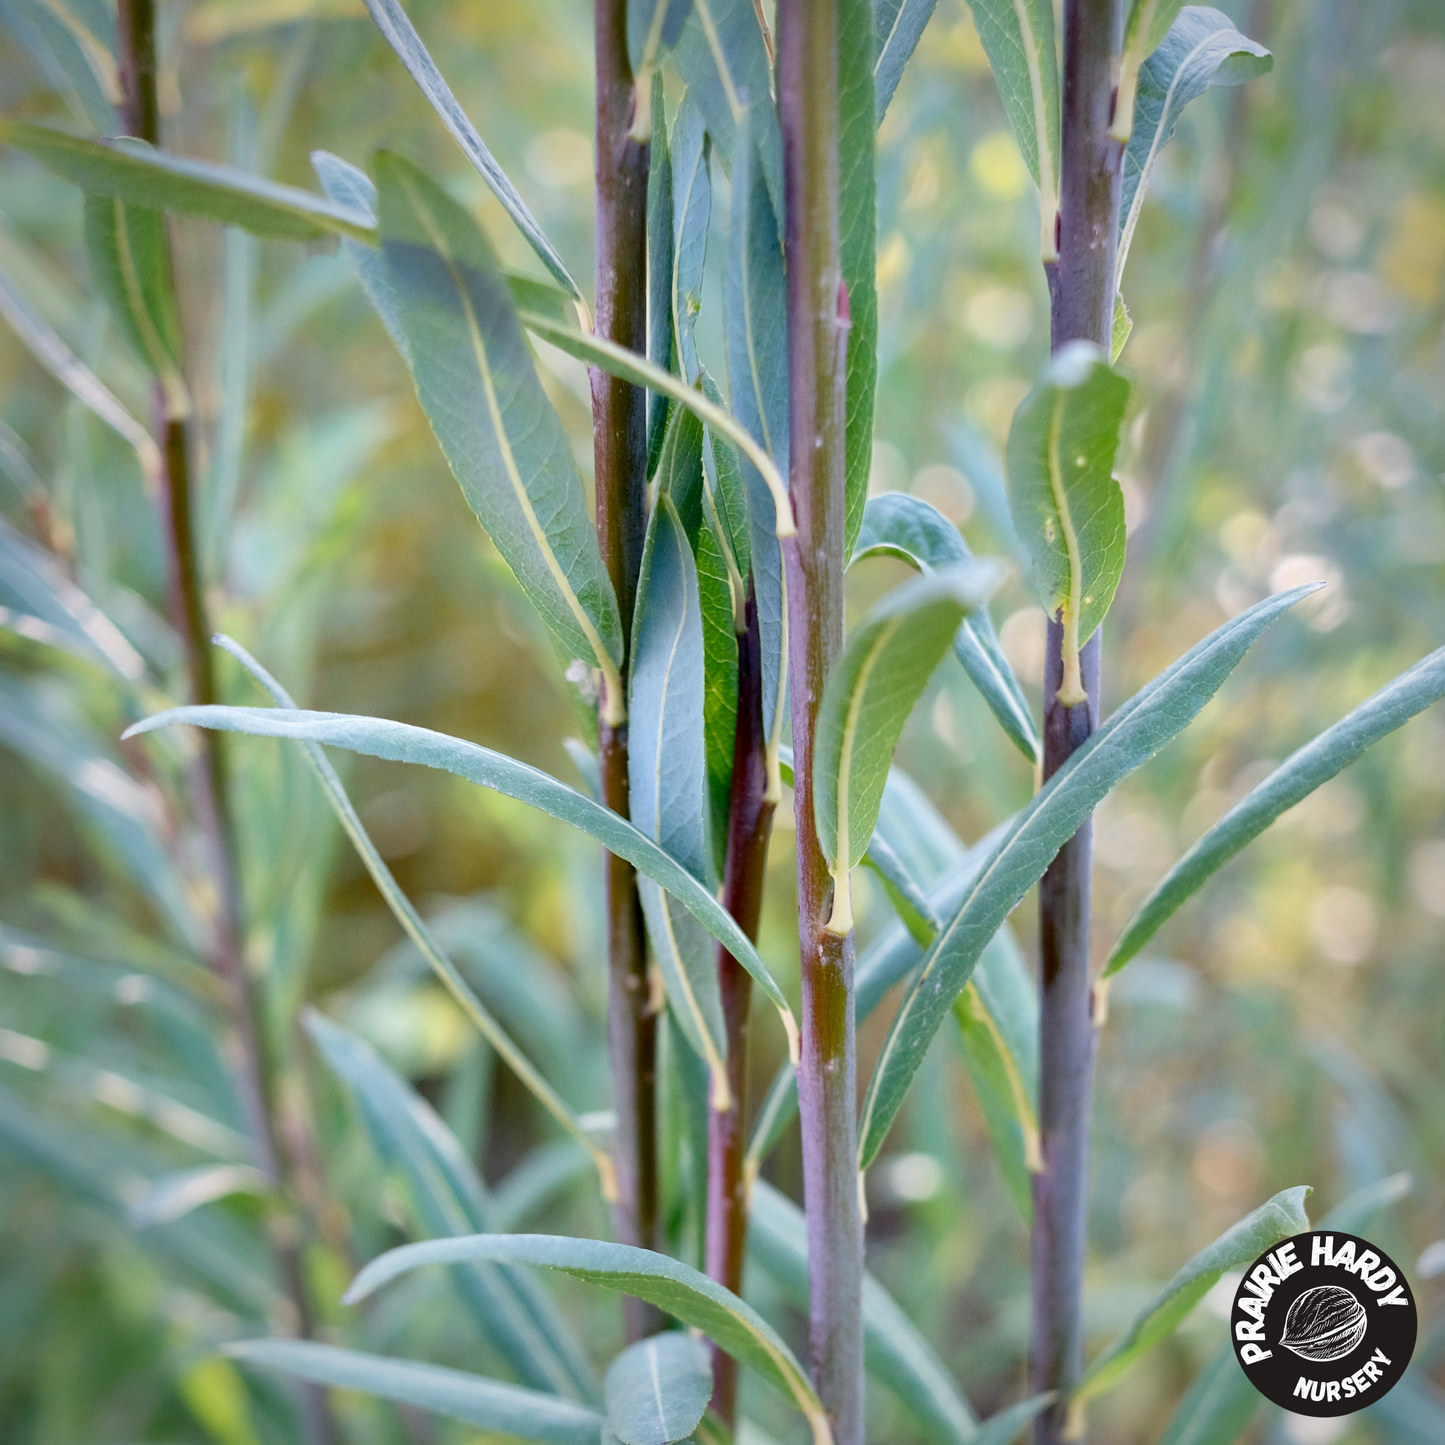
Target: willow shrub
709	583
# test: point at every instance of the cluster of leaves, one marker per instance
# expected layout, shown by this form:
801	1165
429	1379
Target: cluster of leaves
460	322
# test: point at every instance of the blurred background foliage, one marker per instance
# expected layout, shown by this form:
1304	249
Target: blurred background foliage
1287	288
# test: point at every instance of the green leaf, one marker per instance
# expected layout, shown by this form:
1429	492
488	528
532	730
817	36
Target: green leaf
918	533
868	696
38	600
1276	1219
679	475
1201	49
691	212
909	901
1218	1406
381	738
1290	783
898	27
726	65
447	1198
1067	506
500	433
175	1195
1123	326
1028	845
79	64
488	1404
50	350
720	686
667	772
1000	1429
659	268
401	35
421	936
895	1352
1018	38
726	500
673	1287
130	262
652	30
1144	30
658	1389
139	175
857	250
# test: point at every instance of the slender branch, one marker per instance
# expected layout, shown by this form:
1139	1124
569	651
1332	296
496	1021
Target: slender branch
1081	289
619	429
750	825
248	1044
817	352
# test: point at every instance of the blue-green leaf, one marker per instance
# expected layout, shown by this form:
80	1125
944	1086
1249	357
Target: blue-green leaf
673	1287
1290	783
1067	506
381	738
1147	24
503	439
691	212
657	1390
667	770
447	1198
1201	49
857	250
1129	738
142	176
488	1404
78	62
725	62
898	26
401	35
755	307
896	1353
868	696
912	529
660	324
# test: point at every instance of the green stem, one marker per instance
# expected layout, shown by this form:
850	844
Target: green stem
1081	288
817	353
619	429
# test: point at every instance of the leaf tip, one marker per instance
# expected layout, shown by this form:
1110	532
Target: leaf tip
790	1027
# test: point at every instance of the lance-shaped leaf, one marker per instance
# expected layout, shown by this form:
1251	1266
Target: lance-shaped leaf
1276	1219
667	773
691	212
657	1390
1201	49
726	500
489	1404
1018	38
1146	27
898	26
720	685
401	35
909	901
659	268
652	30
1066	505
672	1286
501	435
895	1352
1290	783
139	175
399	742
857	251
918	533
725	61
869	694
1137	731
50	350
755	307
447	1198
130	262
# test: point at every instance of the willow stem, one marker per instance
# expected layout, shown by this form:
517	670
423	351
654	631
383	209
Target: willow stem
817	351
1082	292
750	825
619	430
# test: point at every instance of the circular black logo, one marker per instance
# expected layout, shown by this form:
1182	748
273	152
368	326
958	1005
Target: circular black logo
1323	1324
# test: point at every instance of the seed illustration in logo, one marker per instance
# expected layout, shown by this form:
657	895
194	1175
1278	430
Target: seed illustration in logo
1324	1323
